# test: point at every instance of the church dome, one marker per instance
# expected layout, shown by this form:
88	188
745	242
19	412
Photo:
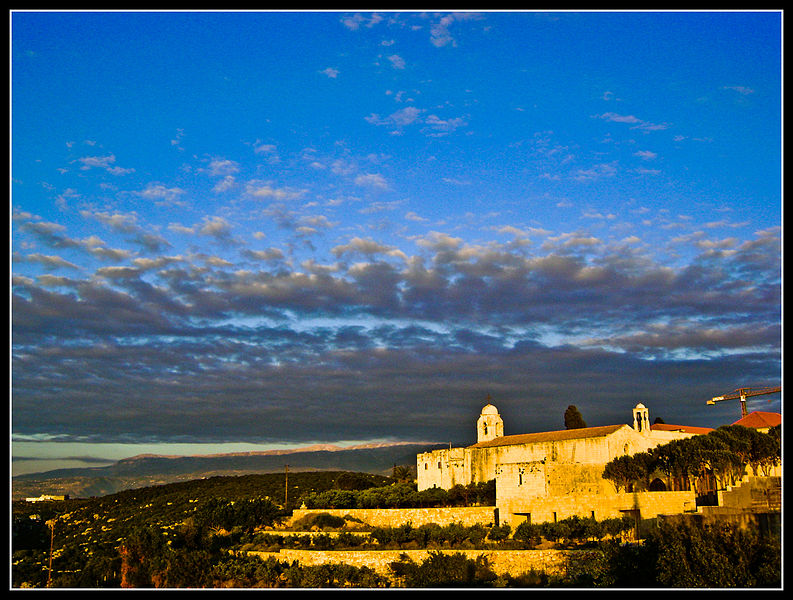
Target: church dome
489	409
640	405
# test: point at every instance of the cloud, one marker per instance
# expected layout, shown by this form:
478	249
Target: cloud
221	167
636	123
440	31
262	189
396	61
330	72
162	195
48	261
433	125
371	180
742	90
220	350
103	162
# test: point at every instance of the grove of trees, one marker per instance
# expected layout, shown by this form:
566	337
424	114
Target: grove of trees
722	455
403	494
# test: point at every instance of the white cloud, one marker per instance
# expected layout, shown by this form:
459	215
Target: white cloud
397	61
372	180
742	90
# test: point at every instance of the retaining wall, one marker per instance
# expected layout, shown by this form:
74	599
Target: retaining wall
512	562
394	517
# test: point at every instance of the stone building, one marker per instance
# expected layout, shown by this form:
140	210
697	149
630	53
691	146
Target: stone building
556	474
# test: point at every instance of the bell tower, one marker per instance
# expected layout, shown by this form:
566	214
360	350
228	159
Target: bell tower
490	425
641	419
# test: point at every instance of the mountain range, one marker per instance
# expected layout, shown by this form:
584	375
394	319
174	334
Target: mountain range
153	469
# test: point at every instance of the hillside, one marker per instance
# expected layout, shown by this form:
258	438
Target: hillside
147	470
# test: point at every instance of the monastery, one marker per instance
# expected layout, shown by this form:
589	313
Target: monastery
553	475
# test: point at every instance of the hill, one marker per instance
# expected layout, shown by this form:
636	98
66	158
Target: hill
148	470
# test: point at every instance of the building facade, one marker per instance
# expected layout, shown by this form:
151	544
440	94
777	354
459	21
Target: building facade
556	474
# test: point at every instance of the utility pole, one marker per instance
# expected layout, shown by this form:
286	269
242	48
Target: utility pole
286	484
51	523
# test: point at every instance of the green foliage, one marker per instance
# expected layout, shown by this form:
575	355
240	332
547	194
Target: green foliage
499	533
573	529
403	495
724	453
444	570
29	534
246	513
573	418
187	516
189	536
720	556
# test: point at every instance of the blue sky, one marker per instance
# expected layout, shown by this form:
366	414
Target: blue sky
285	228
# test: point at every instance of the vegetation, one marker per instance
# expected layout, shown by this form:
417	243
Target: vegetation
574	530
403	495
200	533
573	418
724	454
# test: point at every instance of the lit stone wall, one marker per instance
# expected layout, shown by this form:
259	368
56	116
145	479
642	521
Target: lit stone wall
517	508
513	562
394	517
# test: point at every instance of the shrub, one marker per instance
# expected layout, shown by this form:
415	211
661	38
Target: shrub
444	570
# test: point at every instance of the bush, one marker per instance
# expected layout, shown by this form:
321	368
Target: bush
499	533
444	570
327	521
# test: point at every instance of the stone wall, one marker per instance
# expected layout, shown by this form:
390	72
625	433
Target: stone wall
513	562
645	505
753	493
394	517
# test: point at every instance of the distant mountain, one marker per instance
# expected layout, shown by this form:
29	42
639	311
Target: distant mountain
148	469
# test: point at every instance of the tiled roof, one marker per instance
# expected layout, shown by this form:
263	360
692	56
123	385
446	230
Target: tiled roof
759	419
682	428
549	436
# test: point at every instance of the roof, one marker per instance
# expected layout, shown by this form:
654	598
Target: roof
681	428
759	420
549	436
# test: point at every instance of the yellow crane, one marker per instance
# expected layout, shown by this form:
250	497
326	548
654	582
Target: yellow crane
744	393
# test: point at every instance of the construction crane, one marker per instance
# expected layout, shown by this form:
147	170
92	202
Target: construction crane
744	393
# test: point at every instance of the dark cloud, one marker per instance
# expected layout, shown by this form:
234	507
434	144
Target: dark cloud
386	344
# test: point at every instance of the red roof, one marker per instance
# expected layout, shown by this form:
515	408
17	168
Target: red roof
682	428
760	420
549	436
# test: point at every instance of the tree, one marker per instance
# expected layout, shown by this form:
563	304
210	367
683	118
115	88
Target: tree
573	418
402	473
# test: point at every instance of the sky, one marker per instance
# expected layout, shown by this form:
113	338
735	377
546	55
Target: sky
273	229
